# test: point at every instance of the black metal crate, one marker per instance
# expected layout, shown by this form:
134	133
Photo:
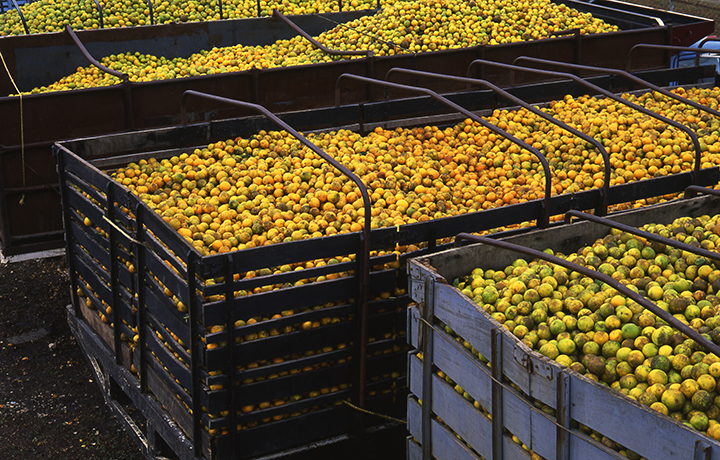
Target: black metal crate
156	294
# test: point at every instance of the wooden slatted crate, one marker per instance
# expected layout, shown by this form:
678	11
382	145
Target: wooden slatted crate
510	392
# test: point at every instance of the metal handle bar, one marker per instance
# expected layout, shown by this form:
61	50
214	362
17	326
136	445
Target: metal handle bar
365	269
615	97
624	74
152	16
697	51
100	10
323	48
22	17
699	189
647	235
545	222
91	59
610	281
535	110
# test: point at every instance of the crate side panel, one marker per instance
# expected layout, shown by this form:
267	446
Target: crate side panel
445	444
670	439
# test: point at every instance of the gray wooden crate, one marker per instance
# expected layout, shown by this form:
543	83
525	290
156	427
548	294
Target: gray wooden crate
458	430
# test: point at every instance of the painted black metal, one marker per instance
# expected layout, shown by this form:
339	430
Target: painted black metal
610	281
22	16
601	209
698	51
546	166
639	108
229	368
195	350
114	284
142	297
68	231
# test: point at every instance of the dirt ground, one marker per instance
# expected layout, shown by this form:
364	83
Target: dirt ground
50	405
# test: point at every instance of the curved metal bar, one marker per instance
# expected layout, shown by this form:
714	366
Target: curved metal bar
22	17
152	15
647	235
574	31
615	97
364	275
317	44
100	10
545	222
693	189
697	51
623	74
92	60
610	281
533	109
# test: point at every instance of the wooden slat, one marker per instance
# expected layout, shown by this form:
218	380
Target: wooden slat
286	253
459	413
633	425
176	369
474	325
161	306
159	269
446	446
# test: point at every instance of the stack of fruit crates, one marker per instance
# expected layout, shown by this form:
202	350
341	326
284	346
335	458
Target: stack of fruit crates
482	389
160	318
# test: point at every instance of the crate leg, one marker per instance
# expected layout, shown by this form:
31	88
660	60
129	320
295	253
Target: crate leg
118	387
157	447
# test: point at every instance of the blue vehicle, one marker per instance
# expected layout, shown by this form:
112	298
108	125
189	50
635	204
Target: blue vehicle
712	57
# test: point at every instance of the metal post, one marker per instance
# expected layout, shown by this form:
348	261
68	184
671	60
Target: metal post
141	287
428	314
195	344
67	224
232	359
113	268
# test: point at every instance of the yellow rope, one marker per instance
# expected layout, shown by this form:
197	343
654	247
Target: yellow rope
373	413
22	127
